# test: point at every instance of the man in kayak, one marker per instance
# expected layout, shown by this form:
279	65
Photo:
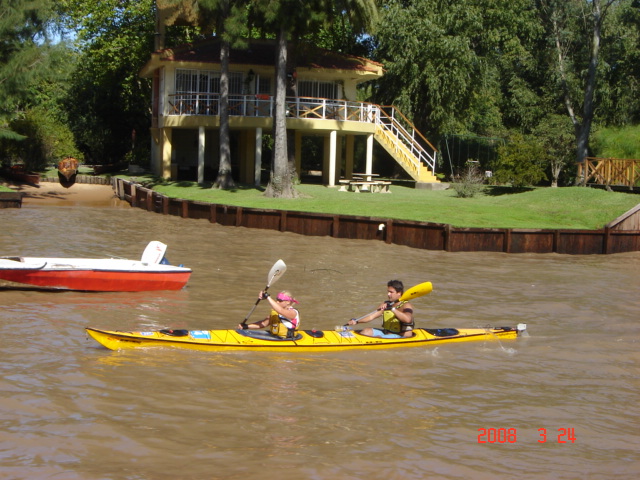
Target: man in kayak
397	316
283	321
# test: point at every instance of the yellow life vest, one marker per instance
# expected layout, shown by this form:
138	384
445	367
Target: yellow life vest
278	328
391	323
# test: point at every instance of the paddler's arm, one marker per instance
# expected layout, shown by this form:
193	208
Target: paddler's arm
368	318
254	326
404	313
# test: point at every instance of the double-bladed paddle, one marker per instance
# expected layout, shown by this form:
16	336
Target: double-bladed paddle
275	273
414	292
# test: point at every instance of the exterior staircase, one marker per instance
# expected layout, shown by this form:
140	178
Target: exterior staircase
406	145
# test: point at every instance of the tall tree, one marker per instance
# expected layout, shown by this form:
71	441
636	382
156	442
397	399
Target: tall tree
280	18
291	19
108	100
574	24
229	28
619	88
25	54
449	65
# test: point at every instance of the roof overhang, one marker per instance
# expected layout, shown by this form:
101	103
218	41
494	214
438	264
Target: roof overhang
261	54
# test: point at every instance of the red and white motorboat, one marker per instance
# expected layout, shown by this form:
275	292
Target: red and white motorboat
151	272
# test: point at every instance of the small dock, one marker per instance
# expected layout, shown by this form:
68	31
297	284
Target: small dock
10	200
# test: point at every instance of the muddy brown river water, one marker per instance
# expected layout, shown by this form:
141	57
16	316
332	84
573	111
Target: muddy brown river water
561	403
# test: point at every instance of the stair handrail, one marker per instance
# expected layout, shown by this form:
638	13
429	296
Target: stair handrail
408	138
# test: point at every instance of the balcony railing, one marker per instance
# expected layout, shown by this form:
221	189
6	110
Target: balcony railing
388	118
262	106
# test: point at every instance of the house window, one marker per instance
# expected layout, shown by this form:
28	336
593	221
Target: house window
209	82
236	83
206	81
311	88
263	85
186	81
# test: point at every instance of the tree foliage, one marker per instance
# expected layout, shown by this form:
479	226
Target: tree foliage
521	161
497	67
556	135
25	55
108	101
33	78
287	20
449	65
576	29
540	72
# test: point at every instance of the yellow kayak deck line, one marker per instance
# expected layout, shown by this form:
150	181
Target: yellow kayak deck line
305	340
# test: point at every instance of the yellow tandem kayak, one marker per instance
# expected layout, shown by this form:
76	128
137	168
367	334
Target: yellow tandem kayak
305	340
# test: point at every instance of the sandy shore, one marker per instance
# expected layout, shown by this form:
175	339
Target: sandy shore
52	193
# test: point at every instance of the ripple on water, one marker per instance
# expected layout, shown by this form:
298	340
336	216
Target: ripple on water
71	409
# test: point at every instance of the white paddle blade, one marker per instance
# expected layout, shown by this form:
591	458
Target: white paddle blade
276	272
417	291
153	253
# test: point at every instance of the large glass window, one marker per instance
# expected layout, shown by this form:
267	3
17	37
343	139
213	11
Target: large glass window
206	81
186	81
264	85
236	83
312	88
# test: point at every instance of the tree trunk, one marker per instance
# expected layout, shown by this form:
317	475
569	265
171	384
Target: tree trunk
583	125
280	182
588	109
225	178
292	91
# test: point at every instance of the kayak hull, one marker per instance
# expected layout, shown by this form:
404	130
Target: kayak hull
306	340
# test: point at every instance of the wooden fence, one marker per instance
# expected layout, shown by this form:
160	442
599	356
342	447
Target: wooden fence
621	235
611	172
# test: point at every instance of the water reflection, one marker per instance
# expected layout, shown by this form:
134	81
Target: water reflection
72	409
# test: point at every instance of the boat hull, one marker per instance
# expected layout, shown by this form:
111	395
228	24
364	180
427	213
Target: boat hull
306	341
97	280
92	275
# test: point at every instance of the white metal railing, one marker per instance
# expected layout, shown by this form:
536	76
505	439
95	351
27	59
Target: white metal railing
262	106
389	119
405	134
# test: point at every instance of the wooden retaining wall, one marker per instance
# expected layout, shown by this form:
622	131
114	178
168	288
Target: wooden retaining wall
10	200
621	235
82	179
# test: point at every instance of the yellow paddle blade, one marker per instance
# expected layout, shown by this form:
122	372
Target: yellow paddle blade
417	291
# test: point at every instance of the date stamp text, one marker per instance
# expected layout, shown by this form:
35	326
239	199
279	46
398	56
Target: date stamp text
510	435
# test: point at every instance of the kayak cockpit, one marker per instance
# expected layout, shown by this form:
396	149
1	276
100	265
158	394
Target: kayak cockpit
264	335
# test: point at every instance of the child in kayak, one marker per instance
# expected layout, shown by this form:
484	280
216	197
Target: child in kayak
283	321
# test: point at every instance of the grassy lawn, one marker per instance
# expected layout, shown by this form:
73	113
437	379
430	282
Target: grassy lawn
554	208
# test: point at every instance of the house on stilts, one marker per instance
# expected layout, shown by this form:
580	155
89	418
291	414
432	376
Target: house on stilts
186	120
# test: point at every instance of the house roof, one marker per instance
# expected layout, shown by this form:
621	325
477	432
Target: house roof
263	53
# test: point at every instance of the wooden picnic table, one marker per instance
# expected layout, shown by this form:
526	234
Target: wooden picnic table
367	177
360	185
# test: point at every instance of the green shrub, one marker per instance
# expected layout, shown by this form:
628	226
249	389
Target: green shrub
470	182
521	162
47	140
